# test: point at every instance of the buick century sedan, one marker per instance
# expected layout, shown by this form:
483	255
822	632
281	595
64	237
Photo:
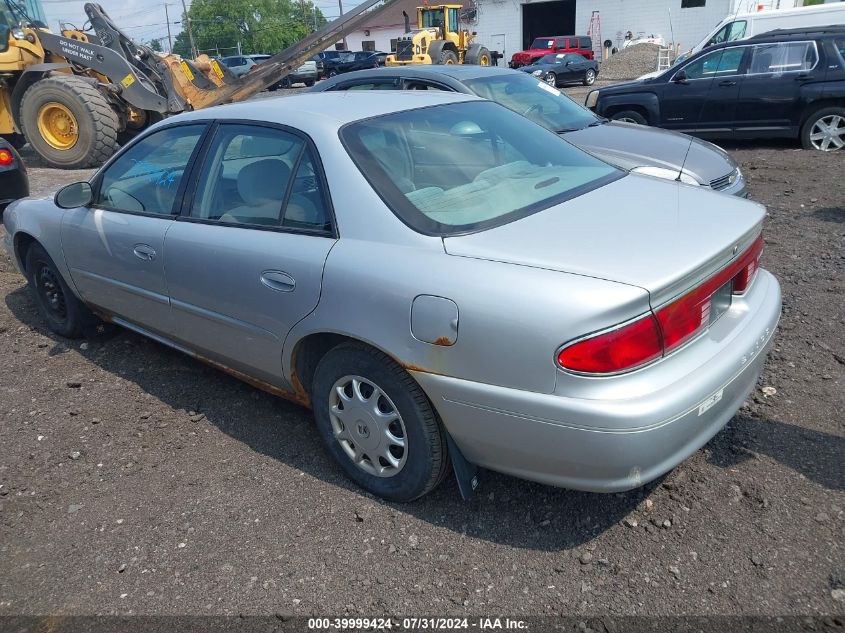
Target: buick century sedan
444	282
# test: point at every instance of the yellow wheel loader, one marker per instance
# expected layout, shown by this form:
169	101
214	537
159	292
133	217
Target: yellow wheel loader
77	96
438	39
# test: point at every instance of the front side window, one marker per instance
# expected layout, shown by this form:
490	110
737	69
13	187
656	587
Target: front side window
533	99
146	177
716	64
468	166
545	42
256	176
782	57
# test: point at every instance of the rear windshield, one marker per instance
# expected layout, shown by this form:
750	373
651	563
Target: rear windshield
543	42
533	98
466	167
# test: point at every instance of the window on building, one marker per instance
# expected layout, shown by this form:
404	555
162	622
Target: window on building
692	4
368	45
339	46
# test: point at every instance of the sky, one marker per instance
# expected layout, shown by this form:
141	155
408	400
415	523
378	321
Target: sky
145	20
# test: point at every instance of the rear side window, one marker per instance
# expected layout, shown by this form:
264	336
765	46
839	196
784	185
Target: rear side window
257	176
782	57
586	42
146	178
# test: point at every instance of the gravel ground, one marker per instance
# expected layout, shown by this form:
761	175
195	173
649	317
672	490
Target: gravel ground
135	480
630	63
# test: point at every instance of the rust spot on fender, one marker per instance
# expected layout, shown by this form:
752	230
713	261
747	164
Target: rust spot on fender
444	340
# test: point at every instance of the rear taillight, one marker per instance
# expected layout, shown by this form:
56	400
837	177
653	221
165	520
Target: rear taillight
6	158
623	348
667	328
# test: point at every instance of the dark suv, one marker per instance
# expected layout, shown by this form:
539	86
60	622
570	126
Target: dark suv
788	83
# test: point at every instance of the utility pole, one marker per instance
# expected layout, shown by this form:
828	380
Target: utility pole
169	38
190	31
340	6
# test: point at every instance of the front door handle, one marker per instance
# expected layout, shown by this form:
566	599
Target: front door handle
727	82
145	252
803	77
278	280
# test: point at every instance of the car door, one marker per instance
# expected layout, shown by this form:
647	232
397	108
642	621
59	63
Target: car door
245	259
115	248
572	68
702	95
769	102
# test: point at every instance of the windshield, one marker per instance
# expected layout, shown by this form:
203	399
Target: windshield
552	59
534	99
464	167
543	42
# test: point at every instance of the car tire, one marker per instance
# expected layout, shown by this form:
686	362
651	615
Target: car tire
415	468
332	73
64	313
49	109
629	116
818	124
447	57
589	77
309	84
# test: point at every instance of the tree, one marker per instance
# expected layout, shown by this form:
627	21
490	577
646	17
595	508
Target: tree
156	45
261	26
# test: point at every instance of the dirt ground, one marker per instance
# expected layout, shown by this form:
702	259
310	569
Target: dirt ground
135	480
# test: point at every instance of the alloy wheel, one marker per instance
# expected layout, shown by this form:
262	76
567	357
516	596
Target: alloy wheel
368	426
551	79
828	133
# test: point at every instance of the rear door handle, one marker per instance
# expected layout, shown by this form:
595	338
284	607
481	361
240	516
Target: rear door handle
803	77
145	252
278	280
727	82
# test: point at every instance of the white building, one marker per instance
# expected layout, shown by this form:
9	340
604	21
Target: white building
510	25
380	34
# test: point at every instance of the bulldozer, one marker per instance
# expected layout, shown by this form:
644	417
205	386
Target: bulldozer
438	39
75	97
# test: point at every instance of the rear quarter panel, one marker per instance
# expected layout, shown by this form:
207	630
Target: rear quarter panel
511	320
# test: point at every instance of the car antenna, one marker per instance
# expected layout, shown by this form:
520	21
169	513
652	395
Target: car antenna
704	101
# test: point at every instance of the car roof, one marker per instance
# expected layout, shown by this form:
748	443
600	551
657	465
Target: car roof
801	32
309	111
459	72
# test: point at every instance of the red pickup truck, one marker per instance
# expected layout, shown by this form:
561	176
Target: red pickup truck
580	44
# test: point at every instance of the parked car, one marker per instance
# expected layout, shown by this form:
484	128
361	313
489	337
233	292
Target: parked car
305	74
542	46
557	69
321	57
14	183
643	149
348	62
439	278
238	64
787	84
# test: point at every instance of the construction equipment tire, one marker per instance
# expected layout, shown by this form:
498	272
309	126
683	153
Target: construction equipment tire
69	122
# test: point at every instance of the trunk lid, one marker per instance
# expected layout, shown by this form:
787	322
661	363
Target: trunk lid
661	236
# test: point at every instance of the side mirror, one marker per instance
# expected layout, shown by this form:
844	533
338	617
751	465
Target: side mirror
569	63
5	32
680	77
77	194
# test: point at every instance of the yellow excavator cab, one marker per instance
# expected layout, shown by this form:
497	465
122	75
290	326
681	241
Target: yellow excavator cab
438	39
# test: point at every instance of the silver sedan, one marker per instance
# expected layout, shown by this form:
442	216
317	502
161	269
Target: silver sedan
444	282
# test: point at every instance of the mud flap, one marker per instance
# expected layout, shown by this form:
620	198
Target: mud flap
466	472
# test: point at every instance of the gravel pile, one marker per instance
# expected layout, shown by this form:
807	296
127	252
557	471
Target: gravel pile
631	62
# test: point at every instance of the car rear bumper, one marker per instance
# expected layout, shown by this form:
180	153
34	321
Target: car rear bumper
610	445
